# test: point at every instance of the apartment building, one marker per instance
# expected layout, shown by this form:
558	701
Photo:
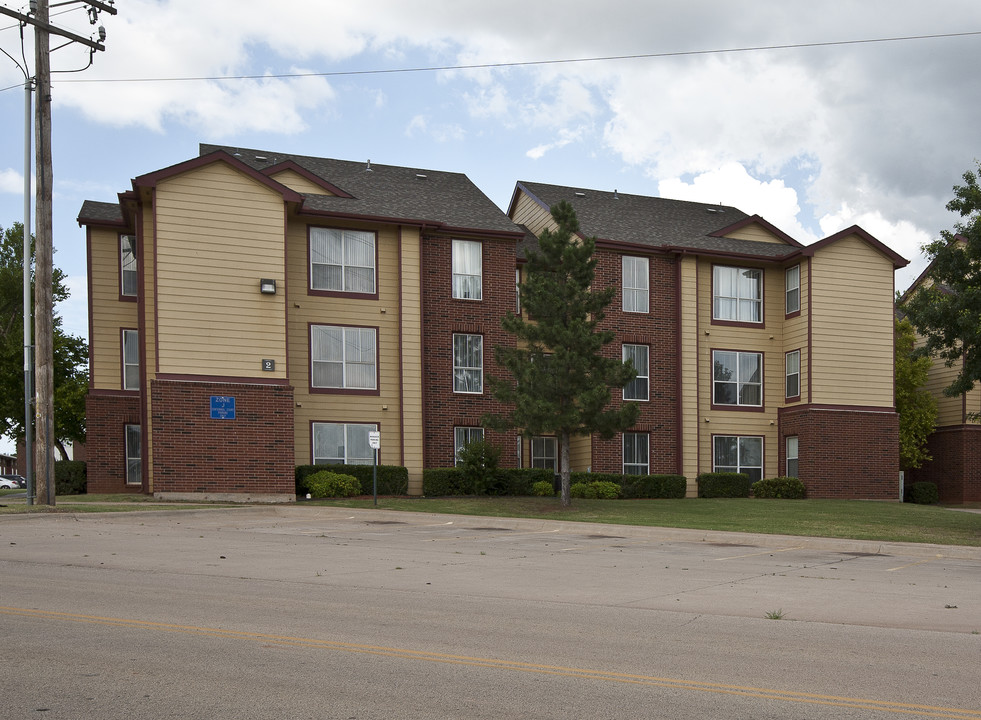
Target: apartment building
251	311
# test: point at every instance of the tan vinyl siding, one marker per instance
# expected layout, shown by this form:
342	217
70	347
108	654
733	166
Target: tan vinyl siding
384	314
795	329
852	335
533	216
219	233
950	410
147	342
411	322
689	332
755	232
294	181
580	454
109	314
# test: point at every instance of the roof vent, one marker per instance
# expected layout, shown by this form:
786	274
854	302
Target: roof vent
261	158
580	193
712	210
421	176
368	168
615	196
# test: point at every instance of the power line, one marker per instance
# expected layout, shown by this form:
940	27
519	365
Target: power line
528	63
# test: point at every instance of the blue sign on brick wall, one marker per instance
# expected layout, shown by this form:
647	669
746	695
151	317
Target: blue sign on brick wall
222	407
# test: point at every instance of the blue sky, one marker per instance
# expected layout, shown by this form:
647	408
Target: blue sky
814	139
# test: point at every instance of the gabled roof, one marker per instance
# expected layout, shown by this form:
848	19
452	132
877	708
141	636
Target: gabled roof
898	260
385	192
100	213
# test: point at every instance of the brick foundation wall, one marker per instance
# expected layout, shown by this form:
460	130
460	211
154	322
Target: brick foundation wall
251	454
842	453
443	316
658	329
956	464
106	417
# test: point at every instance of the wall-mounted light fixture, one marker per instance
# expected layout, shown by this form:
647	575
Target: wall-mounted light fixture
267	286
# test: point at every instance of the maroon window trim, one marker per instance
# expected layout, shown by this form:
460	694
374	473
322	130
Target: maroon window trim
340	293
344	391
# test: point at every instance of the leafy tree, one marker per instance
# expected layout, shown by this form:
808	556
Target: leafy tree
916	406
946	311
559	379
70	352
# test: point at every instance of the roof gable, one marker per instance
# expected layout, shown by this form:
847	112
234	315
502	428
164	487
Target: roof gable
897	260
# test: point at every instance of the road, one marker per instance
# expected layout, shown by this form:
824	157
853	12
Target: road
302	612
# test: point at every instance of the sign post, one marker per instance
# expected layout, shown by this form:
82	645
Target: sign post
374	442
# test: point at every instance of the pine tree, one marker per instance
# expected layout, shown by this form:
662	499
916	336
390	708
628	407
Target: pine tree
559	379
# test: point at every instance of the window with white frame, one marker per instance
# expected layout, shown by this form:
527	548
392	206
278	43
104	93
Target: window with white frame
793	289
463	436
545	453
738	453
636	284
342	443
737	378
792	446
467	270
468	363
638	388
792	360
342	260
737	294
343	357
131	359
636	454
517	291
134	456
128	278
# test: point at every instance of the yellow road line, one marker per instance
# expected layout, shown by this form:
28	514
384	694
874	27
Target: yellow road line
903	567
515	666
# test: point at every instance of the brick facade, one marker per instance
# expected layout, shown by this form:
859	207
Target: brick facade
443	316
658	329
956	464
252	454
844	454
106	418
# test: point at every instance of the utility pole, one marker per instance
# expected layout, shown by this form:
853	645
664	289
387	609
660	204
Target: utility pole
44	242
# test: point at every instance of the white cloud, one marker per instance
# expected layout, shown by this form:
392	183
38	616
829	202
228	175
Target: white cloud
11	181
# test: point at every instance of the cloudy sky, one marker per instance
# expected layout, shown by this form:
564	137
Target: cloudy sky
833	132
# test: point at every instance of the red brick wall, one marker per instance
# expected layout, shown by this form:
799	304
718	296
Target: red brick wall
843	453
657	329
442	317
106	418
194	454
956	464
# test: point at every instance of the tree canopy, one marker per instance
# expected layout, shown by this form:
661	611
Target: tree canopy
559	380
917	408
945	309
70	352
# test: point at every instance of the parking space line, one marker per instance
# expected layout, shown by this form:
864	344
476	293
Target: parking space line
765	552
903	567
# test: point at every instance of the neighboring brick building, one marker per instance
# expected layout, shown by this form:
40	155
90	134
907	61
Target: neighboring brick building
252	311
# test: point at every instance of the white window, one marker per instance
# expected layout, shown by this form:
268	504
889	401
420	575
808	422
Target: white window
131	360
793	374
793	289
467	264
343	357
792	456
636	454
134	456
636	297
342	444
738	378
637	389
517	291
468	363
737	294
342	260
738	453
127	265
545	453
463	436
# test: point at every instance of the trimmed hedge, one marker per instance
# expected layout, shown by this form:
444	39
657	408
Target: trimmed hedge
70	477
543	488
325	484
441	482
595	490
724	485
922	493
638	486
392	479
787	488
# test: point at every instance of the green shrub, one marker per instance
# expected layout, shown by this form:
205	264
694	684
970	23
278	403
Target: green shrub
521	481
331	484
70	478
922	493
597	490
543	488
441	482
478	460
392	479
654	486
787	488
724	485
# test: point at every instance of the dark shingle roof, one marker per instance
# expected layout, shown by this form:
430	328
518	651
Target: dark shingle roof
388	191
95	213
657	222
